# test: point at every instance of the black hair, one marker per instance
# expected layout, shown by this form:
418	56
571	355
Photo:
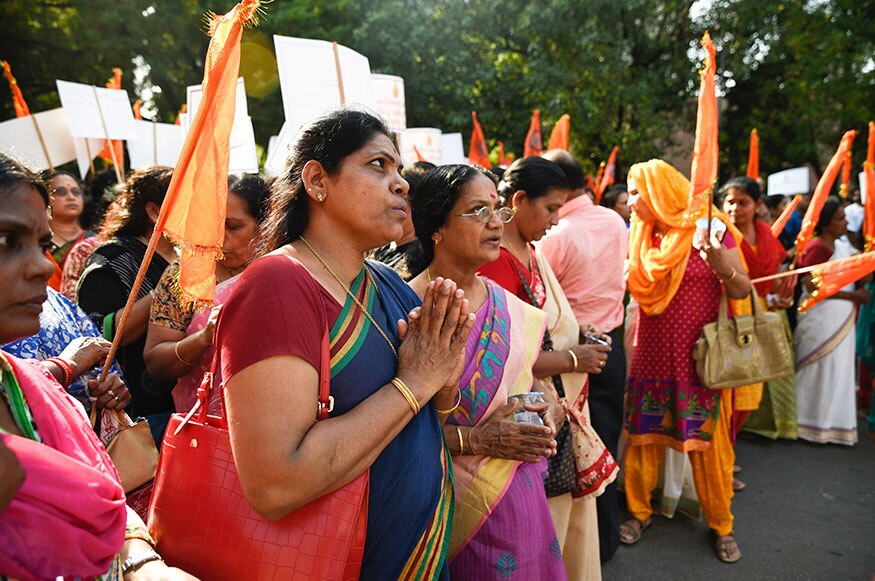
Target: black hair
13	172
329	140
773	202
433	200
571	168
747	185
144	186
533	175
612	194
830	207
253	189
414	174
104	184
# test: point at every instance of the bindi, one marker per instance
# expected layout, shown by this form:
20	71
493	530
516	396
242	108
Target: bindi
492	196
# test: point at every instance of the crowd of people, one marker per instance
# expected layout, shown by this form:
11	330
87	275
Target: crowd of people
502	345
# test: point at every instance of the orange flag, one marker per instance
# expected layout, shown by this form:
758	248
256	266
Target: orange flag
782	220
478	153
610	174
533	144
598	178
704	171
137	106
183	109
831	277
419	156
559	136
501	153
21	109
869	211
590	182
753	157
821	192
118	145
846	176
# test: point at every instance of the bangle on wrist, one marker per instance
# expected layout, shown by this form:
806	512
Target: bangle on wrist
574	362
470	445
461	441
141	536
178	356
457	401
730	277
408	395
66	370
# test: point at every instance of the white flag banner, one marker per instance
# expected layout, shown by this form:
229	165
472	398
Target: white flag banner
156	144
195	93
425	140
97	111
389	99
244	157
453	149
19	139
861	179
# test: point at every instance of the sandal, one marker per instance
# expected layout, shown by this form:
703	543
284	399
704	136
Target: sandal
632	529
736	469
738	485
727	549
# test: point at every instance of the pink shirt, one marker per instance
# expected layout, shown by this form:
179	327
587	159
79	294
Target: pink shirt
587	250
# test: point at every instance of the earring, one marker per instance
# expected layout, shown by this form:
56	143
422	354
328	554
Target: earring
320	196
437	240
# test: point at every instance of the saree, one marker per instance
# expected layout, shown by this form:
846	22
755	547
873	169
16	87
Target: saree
498	498
68	518
825	383
576	519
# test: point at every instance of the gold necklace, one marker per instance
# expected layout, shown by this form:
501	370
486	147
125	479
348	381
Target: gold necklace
352	296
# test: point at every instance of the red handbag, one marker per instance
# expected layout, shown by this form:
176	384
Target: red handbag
203	524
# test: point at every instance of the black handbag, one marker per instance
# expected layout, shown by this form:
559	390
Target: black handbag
562	469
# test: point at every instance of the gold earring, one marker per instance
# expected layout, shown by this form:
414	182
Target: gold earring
320	196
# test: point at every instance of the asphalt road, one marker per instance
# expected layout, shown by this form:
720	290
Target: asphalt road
808	513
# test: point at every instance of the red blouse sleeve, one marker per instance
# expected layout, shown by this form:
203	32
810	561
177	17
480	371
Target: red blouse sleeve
815	253
275	309
503	271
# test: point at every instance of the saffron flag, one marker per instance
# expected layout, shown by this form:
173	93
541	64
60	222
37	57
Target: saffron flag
118	145
21	109
559	136
193	213
781	222
753	156
846	175
821	192
419	156
590	182
533	144
478	153
610	174
831	277
598	180
869	211
137	106
182	110
501	153
704	171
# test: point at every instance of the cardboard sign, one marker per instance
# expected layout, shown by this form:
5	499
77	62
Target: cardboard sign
19	139
278	150
790	182
156	144
861	179
87	149
244	157
453	148
96	111
309	80
426	140
195	93
389	101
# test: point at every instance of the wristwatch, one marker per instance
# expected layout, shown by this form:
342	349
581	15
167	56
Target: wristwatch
131	564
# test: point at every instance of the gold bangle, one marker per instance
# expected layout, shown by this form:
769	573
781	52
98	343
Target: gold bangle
461	441
452	409
145	537
178	356
573	360
408	395
731	276
471	446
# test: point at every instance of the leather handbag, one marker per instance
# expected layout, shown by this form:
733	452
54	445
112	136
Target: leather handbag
744	349
202	522
132	449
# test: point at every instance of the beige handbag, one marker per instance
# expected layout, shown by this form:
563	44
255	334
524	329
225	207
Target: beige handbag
132	449
743	350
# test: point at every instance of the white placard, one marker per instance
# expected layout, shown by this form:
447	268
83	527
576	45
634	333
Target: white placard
19	139
308	78
790	182
87	149
453	148
244	157
861	179
156	144
185	123
271	145
278	150
84	108
427	141
389	100
195	93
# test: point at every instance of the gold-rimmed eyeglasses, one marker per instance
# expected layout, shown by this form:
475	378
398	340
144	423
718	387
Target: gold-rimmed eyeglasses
484	214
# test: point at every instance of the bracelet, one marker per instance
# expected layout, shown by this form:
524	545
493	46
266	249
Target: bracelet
452	409
181	360
731	276
408	395
573	360
461	441
471	446
130	565
142	536
66	370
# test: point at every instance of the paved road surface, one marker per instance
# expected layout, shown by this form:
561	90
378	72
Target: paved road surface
808	513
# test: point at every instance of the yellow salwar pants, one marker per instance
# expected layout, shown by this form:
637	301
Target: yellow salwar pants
712	473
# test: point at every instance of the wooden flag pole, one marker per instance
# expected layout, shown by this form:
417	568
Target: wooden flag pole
90	157
787	273
42	142
118	172
339	73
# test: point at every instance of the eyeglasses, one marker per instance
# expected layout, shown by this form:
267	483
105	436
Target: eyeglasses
62	191
484	214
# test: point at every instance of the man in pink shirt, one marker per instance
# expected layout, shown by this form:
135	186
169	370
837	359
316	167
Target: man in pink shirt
587	250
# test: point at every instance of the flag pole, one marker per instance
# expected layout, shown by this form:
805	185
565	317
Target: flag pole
118	172
42	143
339	73
90	157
